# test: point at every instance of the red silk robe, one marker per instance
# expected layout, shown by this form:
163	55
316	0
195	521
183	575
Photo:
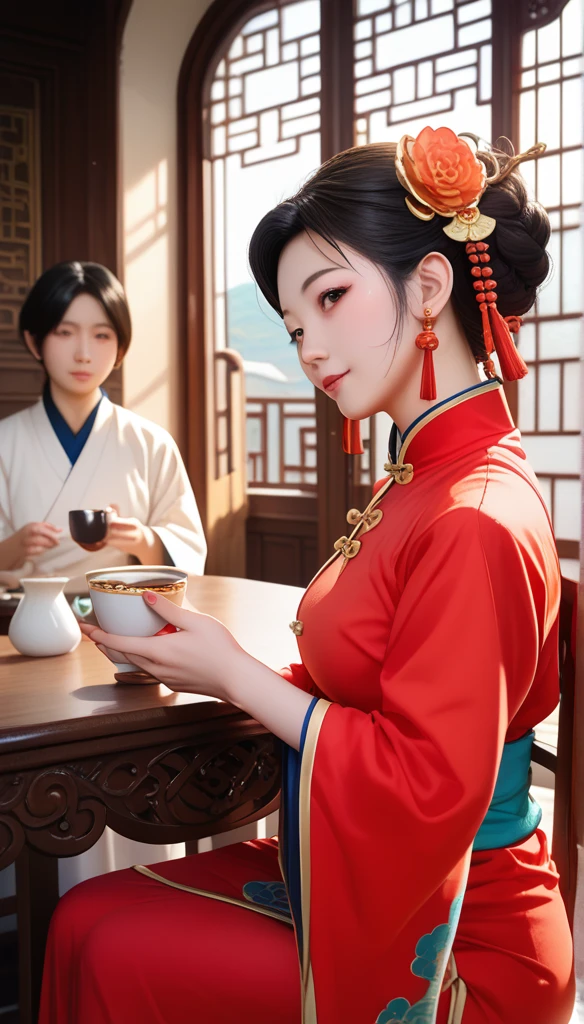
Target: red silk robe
435	643
429	642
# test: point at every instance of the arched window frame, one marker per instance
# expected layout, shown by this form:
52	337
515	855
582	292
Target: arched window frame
336	487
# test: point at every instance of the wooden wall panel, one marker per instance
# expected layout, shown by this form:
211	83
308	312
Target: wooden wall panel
282	539
60	61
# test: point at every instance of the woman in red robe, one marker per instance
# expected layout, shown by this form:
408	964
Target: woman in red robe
412	883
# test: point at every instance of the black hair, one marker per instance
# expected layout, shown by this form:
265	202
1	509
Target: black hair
54	291
355	199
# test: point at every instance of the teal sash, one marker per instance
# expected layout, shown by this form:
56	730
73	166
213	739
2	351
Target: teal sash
513	813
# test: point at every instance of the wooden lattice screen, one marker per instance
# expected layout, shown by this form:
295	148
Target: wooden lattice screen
417	64
263	126
550	109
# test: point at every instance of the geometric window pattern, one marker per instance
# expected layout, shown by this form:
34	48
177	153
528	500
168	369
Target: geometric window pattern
263	109
421	61
418	63
266	91
19	222
549	105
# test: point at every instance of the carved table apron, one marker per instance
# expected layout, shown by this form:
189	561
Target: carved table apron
79	752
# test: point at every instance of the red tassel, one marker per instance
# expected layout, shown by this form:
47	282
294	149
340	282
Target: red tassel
512	364
428	342
428	387
352	443
487	335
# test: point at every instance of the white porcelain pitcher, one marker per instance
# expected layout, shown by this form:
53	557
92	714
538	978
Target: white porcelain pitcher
43	624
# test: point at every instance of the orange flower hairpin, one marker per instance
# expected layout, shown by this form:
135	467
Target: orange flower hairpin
444	176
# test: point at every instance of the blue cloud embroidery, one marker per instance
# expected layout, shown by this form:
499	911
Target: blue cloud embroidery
429	963
268	894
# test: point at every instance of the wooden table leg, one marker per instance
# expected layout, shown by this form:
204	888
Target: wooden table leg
37	893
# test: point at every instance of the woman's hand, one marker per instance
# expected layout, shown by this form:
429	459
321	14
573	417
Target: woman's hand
197	659
204	657
134	538
28	542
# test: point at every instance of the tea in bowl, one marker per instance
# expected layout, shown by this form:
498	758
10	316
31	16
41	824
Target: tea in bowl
88	527
119	606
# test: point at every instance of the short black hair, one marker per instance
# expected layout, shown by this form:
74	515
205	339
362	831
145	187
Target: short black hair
54	291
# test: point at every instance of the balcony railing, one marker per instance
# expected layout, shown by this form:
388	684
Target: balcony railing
281	443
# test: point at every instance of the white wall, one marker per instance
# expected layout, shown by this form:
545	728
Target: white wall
155	39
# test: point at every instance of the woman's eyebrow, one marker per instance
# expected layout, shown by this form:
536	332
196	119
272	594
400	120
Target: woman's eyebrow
309	280
313	277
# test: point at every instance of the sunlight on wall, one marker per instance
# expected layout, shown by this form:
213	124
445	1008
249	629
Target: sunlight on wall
154	44
146	257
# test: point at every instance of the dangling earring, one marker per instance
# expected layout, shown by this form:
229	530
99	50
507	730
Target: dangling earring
352	443
428	342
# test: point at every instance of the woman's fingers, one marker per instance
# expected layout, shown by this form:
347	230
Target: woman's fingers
169	611
88	628
141	645
115	656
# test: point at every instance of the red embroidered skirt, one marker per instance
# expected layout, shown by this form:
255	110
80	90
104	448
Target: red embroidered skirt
125	949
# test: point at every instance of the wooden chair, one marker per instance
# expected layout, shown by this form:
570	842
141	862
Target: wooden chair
560	762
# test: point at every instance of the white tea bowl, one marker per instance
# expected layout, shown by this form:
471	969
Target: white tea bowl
124	613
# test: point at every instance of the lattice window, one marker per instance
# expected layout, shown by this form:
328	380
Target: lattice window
418	63
550	110
421	62
262	130
281	443
19	223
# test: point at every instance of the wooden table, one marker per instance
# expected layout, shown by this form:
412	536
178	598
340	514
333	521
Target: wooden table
79	752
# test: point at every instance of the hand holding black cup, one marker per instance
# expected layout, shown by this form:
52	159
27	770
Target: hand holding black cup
89	526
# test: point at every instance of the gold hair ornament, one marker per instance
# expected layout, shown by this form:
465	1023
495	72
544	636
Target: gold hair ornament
444	176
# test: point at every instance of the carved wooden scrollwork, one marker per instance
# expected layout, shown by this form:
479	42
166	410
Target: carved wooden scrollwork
157	794
537	13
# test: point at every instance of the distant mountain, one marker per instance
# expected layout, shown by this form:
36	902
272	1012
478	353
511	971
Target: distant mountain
257	333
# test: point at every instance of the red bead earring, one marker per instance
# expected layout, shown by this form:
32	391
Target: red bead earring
428	342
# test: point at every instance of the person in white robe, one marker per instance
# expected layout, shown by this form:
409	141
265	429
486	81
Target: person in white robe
128	463
75	449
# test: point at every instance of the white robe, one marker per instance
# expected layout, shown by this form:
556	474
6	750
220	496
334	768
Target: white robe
127	461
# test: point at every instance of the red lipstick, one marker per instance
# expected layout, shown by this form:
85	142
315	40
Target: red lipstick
329	383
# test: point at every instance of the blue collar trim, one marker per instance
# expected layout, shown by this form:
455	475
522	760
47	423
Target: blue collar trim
73	444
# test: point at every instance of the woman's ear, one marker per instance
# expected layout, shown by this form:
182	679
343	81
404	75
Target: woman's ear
435	280
32	346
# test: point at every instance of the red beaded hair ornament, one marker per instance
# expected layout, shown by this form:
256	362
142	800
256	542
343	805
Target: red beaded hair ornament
496	329
442	175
